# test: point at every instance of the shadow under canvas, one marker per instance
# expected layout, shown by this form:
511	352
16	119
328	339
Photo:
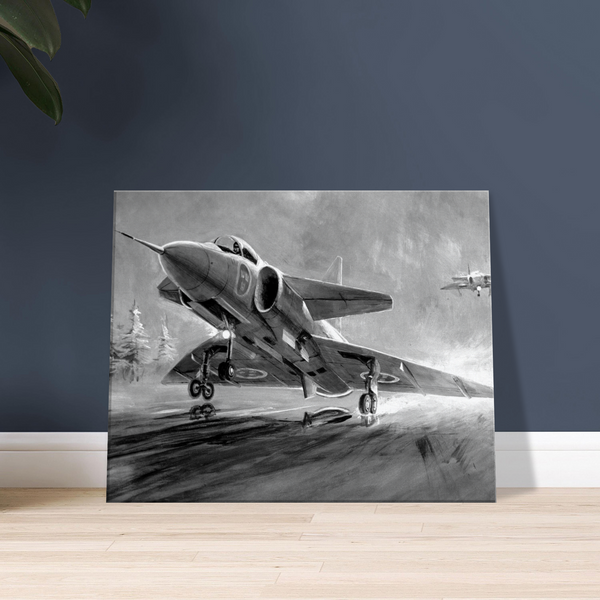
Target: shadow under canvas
508	394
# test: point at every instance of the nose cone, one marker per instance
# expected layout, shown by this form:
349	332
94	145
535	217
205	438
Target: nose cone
194	268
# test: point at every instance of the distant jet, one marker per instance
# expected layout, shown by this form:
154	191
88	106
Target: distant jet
475	281
274	329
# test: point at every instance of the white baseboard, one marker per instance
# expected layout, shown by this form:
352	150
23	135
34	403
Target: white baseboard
523	459
548	459
60	460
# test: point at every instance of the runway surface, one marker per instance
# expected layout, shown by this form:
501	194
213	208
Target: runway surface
255	449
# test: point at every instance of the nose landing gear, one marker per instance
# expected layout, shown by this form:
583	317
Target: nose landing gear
197	388
367	404
200	386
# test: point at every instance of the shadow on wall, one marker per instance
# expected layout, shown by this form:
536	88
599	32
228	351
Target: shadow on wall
507	379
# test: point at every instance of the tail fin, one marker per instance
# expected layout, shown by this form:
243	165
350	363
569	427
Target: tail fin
334	275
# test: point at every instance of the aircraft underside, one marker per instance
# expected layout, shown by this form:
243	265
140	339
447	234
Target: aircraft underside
200	386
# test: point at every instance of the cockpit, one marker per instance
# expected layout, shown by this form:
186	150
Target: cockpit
234	245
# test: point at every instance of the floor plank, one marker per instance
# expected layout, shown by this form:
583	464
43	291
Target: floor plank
71	544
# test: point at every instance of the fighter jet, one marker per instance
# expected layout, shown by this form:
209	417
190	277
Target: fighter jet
475	281
274	329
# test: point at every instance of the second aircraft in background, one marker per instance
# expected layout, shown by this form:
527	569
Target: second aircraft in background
474	281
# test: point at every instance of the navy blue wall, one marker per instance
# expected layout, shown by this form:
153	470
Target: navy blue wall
308	94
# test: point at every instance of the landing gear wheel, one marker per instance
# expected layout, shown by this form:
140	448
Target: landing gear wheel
208	391
374	402
226	371
364	404
195	388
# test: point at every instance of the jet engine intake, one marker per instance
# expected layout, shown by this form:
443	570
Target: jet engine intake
269	288
279	304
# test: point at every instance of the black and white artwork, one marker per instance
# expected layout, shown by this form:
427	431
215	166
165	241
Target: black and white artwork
301	347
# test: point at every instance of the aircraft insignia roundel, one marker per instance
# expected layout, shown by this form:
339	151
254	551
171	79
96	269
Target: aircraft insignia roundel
247	373
383	377
243	279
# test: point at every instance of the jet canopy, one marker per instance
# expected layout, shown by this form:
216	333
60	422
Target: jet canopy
234	245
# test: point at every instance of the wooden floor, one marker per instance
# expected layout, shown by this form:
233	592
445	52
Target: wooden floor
70	544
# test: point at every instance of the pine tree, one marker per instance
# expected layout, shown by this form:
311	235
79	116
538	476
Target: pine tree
166	345
117	363
134	346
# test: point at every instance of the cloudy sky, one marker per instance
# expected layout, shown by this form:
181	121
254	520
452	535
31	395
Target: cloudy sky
406	244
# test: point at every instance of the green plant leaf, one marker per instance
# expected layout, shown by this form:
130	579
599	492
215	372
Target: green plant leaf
31	74
34	21
83	5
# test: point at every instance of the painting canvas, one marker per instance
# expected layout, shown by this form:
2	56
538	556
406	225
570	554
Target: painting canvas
301	346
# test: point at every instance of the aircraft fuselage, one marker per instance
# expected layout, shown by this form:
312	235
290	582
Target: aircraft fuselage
251	300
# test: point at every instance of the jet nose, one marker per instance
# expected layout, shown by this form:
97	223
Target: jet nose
187	264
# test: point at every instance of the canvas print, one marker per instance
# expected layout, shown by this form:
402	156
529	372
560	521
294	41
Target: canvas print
301	347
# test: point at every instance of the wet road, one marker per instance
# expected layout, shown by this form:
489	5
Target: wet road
255	449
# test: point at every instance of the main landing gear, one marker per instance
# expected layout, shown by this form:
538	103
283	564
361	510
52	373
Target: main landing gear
226	368
367	404
226	371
